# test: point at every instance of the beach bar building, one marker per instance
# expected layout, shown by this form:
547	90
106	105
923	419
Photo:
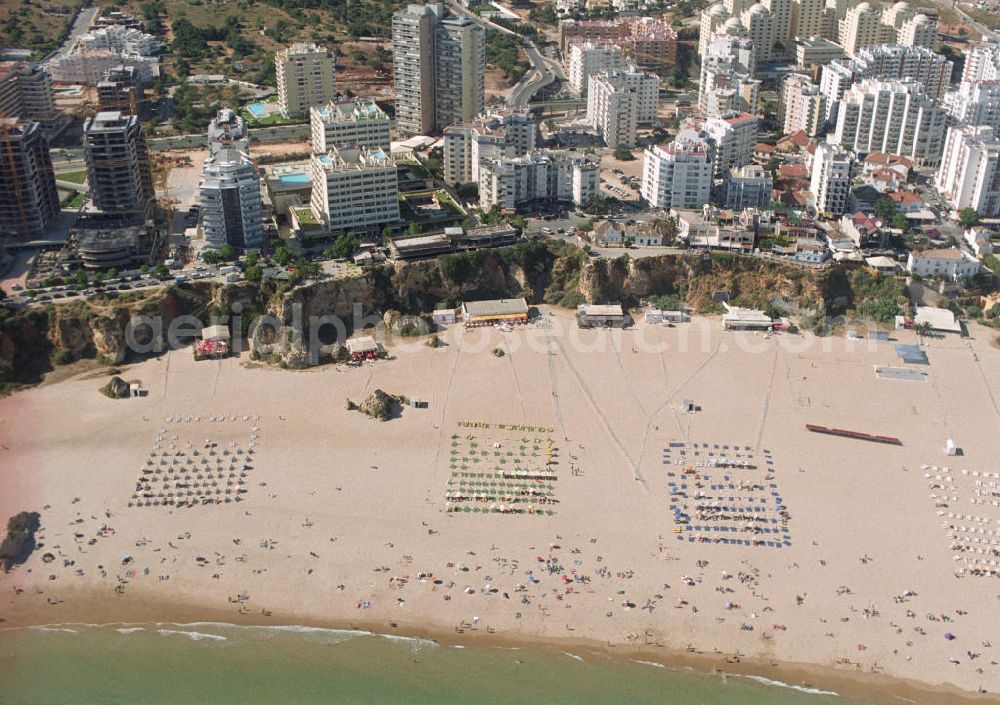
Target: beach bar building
363	348
601	316
495	312
745	319
214	342
443	316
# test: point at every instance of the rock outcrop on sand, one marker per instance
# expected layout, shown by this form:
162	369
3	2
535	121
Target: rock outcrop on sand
380	405
117	388
19	541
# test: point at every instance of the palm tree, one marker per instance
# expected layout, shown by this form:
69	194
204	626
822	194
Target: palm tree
922	329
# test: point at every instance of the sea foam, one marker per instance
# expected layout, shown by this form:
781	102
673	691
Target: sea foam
801	688
194	636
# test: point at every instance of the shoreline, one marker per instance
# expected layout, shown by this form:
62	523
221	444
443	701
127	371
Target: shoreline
874	688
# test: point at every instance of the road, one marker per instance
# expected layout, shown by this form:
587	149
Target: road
979	27
80	27
543	71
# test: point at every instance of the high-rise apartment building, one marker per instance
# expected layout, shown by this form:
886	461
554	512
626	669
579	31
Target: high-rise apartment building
679	174
439	64
590	58
975	103
969	175
747	187
511	132
862	27
727	83
618	101
648	42
894	117
230	199
546	176
982	63
732	137
830	179
118	169
26	92
888	62
28	197
121	90
228	130
354	189
348	121
802	105
307	76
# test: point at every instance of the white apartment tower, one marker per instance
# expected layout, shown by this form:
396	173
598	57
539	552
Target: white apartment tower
894	117
589	58
227	130
727	83
539	176
802	105
733	137
860	28
511	132
679	174
887	62
230	200
982	63
348	121
975	103
306	77
969	175
618	101
439	64
830	179
354	189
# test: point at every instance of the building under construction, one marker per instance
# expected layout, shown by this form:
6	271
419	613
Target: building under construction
121	90
28	197
118	167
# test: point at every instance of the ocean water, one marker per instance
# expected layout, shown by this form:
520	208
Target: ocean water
219	664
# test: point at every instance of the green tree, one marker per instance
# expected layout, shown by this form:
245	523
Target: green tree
598	205
113	273
161	271
968	217
282	256
414	229
884	208
80	277
899	221
253	273
251	259
623	154
344	246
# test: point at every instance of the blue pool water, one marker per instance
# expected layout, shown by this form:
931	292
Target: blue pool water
258	110
289	179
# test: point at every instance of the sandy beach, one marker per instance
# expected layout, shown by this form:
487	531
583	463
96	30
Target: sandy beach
344	520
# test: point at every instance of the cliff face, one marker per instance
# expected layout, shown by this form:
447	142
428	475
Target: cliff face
31	341
695	278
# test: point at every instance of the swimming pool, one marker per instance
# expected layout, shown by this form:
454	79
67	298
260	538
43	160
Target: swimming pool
258	110
294	179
